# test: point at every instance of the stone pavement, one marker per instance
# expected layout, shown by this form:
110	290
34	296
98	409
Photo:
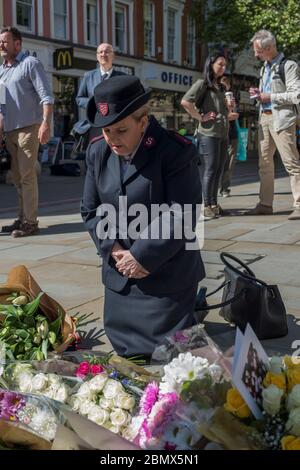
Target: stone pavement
63	259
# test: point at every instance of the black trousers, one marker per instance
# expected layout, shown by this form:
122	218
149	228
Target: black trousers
213	151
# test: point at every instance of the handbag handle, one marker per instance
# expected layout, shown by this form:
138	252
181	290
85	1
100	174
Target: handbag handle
222	304
248	274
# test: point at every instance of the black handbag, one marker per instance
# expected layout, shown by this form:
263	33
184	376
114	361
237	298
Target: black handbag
247	299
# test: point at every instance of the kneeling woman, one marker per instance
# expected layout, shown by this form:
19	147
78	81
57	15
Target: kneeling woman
150	269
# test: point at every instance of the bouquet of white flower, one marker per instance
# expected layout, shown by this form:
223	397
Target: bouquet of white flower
104	401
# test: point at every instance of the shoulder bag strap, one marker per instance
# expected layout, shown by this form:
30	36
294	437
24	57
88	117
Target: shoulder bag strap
248	274
222	304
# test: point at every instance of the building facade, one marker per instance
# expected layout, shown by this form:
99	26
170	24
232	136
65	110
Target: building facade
154	39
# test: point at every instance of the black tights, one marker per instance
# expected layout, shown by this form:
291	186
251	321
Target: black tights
213	155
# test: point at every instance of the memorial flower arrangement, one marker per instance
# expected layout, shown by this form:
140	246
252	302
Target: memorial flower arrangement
25	378
104	401
279	428
169	412
29	411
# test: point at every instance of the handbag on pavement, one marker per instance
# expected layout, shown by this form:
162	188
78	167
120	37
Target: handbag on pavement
247	299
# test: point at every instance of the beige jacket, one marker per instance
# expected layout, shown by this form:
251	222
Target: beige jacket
284	97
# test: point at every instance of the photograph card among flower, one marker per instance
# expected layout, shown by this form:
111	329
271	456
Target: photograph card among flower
251	365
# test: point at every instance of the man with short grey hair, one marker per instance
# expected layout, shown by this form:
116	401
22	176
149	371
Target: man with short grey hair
278	95
105	57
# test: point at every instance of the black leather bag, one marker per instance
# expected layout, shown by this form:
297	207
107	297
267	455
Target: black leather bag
247	299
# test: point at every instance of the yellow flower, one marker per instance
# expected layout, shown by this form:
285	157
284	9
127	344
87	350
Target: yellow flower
293	377
275	379
290	443
292	362
236	405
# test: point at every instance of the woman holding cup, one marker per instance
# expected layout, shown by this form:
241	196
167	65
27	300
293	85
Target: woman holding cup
205	102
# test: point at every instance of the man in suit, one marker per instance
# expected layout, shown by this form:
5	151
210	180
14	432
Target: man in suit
105	58
105	70
149	270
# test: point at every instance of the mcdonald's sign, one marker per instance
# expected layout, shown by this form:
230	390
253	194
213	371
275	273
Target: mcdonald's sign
63	58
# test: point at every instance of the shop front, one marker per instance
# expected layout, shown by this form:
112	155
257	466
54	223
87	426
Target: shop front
169	84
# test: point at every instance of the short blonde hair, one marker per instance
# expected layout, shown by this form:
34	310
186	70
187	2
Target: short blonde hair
141	112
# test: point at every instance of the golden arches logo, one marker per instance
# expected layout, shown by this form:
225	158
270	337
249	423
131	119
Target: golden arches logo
64	59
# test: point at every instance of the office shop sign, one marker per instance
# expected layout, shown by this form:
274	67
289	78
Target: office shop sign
175	78
63	59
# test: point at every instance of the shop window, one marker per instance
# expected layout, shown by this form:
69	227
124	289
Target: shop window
166	108
60	15
65	109
149	39
191	41
24	14
120	27
92	22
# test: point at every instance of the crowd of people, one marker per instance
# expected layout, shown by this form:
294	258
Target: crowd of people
150	281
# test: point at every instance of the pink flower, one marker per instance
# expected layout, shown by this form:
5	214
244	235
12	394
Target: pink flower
169	446
149	398
83	370
10	404
162	413
179	337
96	369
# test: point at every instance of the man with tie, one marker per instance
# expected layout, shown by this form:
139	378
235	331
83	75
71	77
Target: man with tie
105	70
105	57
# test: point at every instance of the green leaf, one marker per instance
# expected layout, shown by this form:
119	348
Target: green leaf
29	322
31	307
39	355
9	354
9	309
55	326
23	334
45	348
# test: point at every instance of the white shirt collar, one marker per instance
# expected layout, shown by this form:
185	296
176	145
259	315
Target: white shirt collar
109	72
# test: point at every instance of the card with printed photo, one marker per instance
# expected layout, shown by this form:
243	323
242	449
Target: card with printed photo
250	368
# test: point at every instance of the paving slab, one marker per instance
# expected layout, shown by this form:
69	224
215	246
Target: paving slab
7	242
287	233
214	257
85	256
8	264
216	245
71	285
273	249
226	232
34	251
276	271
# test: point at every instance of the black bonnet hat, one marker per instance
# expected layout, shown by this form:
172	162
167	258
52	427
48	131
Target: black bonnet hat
116	98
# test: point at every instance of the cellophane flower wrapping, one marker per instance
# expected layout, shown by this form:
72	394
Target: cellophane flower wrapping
40	415
190	390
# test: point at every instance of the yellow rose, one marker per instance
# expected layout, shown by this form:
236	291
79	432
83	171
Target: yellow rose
290	443
292	362
293	377
236	405
275	379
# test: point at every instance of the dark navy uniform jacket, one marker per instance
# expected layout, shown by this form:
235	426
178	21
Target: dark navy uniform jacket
163	170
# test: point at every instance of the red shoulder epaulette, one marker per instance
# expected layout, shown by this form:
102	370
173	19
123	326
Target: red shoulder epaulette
180	138
95	139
